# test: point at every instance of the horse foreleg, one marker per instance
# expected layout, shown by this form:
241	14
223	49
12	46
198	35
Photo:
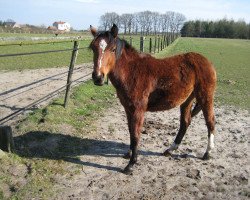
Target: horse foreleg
185	121
135	122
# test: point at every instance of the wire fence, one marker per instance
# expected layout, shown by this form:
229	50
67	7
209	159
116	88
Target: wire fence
66	87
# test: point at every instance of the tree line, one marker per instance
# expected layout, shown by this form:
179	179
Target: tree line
216	29
144	23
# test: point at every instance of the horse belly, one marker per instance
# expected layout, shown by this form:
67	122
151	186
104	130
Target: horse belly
160	100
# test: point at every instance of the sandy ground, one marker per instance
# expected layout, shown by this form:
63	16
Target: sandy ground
183	176
18	89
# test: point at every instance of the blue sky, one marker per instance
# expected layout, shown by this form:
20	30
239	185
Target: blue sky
81	13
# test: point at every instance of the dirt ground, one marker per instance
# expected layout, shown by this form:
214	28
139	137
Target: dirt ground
18	89
182	176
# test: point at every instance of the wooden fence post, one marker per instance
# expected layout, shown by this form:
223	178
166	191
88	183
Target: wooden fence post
164	41
155	44
130	40
150	45
141	44
161	44
71	68
158	44
6	139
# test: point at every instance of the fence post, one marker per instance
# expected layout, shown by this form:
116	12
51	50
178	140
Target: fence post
164	41
158	44
161	44
6	139
71	68
150	45
155	44
141	44
130	40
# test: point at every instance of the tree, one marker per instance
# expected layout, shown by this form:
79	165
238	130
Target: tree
221	29
126	22
108	19
146	22
155	22
179	21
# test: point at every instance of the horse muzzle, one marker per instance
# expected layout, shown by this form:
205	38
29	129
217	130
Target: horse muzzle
98	79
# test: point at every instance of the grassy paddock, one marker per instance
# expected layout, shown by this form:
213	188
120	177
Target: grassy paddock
231	60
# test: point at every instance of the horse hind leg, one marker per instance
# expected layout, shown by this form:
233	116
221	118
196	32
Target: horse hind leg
185	120
208	112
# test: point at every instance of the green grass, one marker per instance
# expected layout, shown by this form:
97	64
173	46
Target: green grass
231	60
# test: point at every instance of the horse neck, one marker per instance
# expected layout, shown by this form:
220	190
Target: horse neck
122	68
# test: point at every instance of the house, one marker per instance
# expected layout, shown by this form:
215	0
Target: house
16	25
62	26
9	24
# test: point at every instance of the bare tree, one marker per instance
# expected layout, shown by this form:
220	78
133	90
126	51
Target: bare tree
126	22
165	22
179	21
108	19
155	22
146	22
104	22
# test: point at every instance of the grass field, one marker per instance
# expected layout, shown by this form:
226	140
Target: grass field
231	60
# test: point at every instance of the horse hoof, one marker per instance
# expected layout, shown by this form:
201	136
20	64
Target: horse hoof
127	155
167	153
128	170
206	156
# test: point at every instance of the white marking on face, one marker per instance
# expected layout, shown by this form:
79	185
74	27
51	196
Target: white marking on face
173	147
102	45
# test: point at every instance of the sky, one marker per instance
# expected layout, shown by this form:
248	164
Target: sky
81	13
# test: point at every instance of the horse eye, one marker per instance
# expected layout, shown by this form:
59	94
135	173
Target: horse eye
113	50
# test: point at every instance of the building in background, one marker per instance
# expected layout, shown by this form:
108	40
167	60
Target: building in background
62	26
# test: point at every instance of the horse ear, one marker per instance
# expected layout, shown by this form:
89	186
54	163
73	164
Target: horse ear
93	30
114	31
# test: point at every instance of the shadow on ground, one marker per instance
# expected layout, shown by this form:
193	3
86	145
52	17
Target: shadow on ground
57	146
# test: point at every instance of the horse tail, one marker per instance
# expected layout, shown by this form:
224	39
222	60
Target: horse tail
196	109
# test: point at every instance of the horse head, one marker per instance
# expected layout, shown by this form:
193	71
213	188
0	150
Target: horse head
104	47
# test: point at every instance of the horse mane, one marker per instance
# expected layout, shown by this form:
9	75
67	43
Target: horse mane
129	48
